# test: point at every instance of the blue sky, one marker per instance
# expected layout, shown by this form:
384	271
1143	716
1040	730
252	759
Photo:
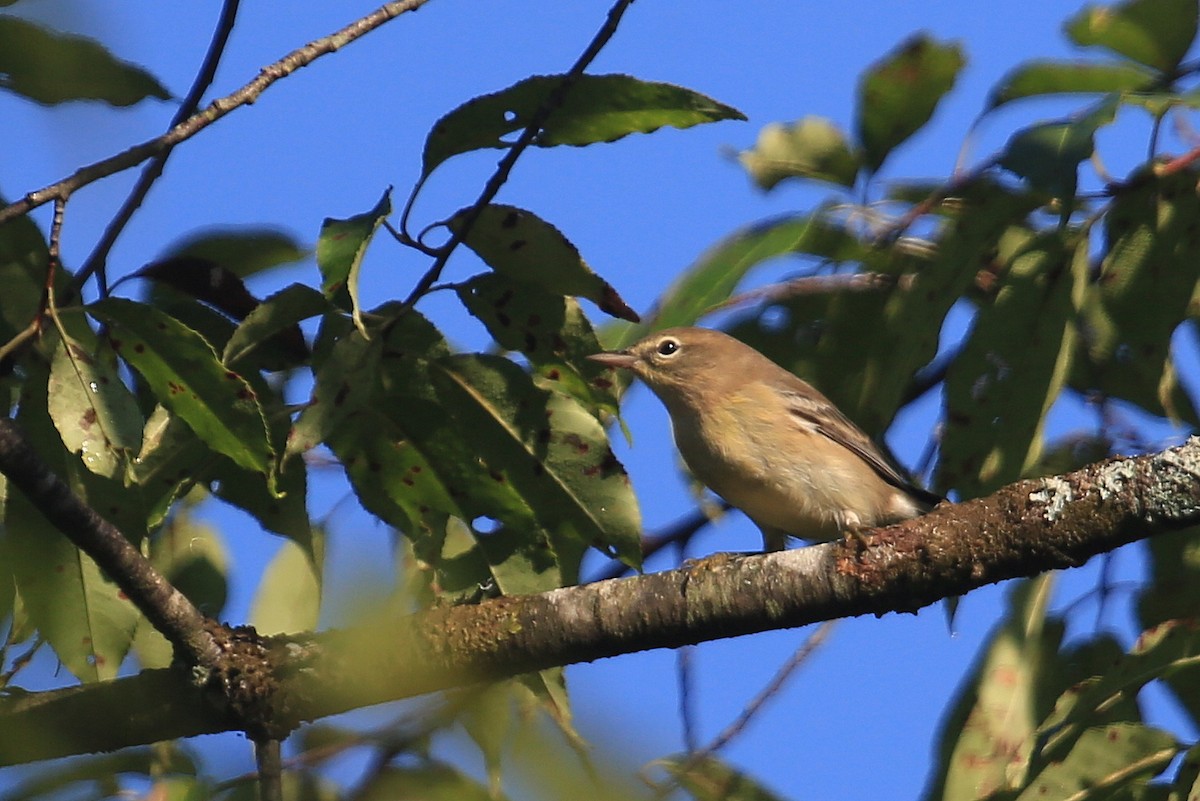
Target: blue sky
859	719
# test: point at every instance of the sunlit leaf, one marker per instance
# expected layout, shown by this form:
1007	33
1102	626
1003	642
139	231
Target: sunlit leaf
94	412
898	94
521	245
597	108
1103	757
1156	33
188	378
812	148
50	67
288	598
1046	77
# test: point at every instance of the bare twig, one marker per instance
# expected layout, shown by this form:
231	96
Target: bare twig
530	132
270	769
166	607
814	285
301	57
98	259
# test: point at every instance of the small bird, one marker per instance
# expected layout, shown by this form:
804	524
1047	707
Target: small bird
768	442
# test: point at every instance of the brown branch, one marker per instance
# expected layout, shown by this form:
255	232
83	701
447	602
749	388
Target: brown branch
530	132
164	606
1026	528
301	57
208	69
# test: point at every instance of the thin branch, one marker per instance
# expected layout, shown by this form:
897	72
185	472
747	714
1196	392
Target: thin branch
167	609
268	758
301	57
98	259
500	176
814	285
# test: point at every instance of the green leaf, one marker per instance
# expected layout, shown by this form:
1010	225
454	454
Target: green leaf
987	737
712	279
345	367
1156	33
712	779
552	332
1105	761
1166	649
899	94
429	781
1014	364
273	323
188	378
171	459
82	613
546	447
288	599
1148	277
94	412
243	250
1049	77
596	108
1171	594
521	245
49	68
23	263
340	250
811	148
1048	154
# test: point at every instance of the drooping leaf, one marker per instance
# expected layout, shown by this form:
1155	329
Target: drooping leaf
987	737
1156	33
596	108
288	599
94	412
340	250
1147	279
23	262
1047	77
82	613
188	378
552	332
898	94
242	250
1015	362
521	245
1048	154
171	460
50	67
812	148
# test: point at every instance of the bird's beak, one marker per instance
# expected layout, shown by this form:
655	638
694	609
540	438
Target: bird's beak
615	358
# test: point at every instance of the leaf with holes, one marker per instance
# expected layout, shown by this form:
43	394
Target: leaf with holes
596	108
187	377
521	245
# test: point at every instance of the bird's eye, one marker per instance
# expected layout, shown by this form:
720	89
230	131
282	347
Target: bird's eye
668	347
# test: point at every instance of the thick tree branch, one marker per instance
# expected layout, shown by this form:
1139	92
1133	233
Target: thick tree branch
300	57
164	606
1024	529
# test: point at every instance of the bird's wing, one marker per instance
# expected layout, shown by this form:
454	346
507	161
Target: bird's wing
821	416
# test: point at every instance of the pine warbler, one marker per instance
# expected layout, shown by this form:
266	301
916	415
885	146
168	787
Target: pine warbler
766	441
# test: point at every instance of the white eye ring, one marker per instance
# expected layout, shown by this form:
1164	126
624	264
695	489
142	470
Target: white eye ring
668	347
